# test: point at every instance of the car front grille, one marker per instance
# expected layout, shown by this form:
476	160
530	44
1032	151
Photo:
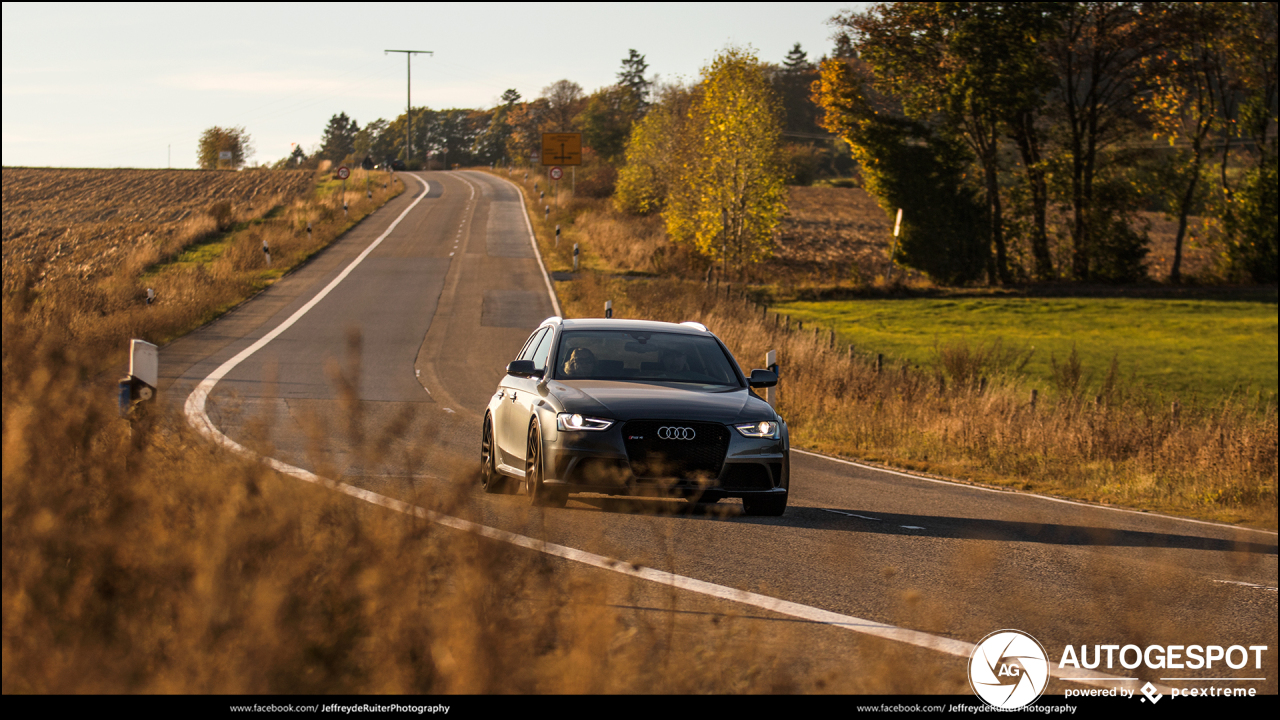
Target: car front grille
700	453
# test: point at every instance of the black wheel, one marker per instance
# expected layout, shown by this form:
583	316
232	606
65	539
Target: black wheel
768	505
538	493
490	479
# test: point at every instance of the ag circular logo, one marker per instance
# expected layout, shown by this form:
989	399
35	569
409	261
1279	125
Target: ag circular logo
1008	669
676	433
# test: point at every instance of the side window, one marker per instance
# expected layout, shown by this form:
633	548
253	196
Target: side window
544	348
532	345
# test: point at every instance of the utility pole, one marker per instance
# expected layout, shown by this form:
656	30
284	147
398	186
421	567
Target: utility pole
408	109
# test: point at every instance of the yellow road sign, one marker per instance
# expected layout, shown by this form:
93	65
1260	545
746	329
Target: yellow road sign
561	148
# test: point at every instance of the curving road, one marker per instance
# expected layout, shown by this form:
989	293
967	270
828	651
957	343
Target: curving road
446	297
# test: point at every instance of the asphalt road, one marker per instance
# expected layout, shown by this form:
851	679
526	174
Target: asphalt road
415	338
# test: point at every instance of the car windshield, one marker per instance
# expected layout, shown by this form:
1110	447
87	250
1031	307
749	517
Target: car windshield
632	356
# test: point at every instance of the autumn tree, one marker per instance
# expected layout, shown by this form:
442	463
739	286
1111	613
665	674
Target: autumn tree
1101	58
965	67
607	121
216	140
564	101
1185	100
729	195
907	166
658	147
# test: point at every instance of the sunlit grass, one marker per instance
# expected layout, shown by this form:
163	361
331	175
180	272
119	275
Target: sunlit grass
1189	348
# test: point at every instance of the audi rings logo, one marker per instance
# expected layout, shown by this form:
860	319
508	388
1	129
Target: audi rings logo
676	433
1008	669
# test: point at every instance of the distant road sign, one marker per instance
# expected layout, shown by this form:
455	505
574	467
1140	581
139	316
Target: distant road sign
343	173
224	154
556	173
561	148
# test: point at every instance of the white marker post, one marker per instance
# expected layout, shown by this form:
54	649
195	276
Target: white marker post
266	251
771	393
608	308
897	225
144	374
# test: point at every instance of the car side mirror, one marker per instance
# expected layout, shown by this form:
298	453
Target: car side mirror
762	379
523	368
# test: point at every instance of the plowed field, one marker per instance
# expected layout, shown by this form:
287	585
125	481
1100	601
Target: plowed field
81	222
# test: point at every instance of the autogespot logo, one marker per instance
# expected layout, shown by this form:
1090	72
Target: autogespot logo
676	433
1008	669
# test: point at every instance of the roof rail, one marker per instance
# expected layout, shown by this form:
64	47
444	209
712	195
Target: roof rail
696	325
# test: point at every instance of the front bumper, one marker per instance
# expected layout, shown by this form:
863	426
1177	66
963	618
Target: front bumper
600	462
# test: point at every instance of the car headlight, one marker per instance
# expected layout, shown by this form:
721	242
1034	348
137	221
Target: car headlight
573	421
762	429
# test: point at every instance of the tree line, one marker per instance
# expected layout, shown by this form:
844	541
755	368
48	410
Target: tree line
995	125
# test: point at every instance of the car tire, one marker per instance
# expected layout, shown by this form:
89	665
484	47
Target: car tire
771	505
539	494
490	479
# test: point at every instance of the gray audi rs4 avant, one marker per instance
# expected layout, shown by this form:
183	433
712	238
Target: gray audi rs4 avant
631	407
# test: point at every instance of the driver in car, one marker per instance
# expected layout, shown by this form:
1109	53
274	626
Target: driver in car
674	362
581	363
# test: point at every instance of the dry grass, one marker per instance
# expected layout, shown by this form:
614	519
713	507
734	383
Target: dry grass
200	248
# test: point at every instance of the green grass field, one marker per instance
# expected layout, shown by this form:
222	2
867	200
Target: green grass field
1195	349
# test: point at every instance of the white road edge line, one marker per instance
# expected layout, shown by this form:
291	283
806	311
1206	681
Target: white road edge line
957	484
197	417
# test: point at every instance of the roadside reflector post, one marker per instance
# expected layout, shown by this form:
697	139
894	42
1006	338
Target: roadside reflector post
771	393
144	373
897	226
308	228
608	308
557	235
546	212
575	257
266	251
151	295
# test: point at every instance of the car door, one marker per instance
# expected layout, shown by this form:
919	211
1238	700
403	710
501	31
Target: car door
524	394
511	449
508	427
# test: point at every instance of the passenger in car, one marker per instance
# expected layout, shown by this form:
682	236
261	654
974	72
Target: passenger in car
581	363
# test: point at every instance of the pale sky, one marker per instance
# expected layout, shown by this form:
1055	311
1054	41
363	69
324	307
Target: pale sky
101	85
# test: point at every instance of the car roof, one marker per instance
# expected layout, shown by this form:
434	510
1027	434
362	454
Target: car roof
630	325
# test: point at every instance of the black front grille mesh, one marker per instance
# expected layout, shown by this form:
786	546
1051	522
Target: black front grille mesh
654	457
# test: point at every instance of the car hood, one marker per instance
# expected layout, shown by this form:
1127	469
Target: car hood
624	401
